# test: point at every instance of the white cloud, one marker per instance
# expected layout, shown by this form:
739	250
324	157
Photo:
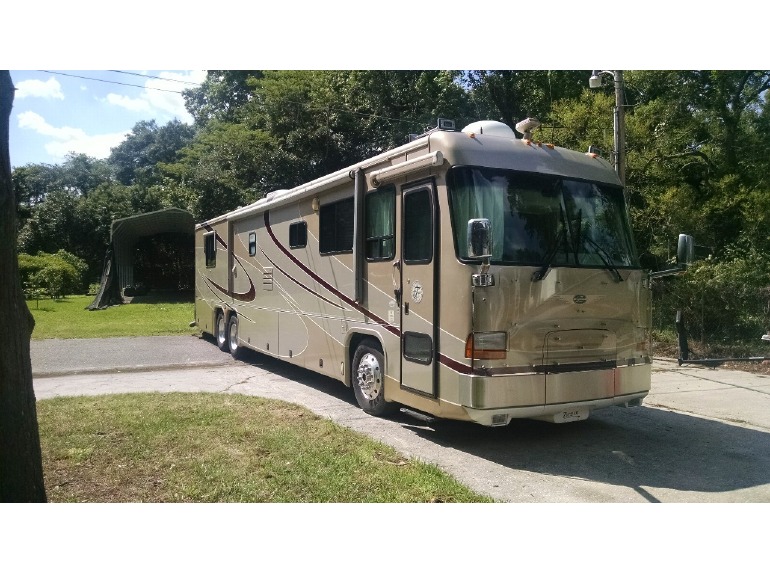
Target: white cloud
161	97
66	139
132	104
50	89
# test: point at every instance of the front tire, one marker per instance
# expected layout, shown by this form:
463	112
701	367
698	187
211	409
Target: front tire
232	337
368	381
220	331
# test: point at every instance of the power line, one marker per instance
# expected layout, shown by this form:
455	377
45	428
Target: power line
155	77
309	107
109	81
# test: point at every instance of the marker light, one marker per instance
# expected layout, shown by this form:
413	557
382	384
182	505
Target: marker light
491	345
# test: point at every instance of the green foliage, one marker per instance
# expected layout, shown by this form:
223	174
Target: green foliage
220	96
696	146
135	160
54	274
510	95
722	300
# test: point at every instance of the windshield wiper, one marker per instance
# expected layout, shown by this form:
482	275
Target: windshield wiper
549	257
606	259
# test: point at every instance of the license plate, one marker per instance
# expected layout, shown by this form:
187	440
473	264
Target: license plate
571	415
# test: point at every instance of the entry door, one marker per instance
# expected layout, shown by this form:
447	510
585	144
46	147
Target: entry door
419	297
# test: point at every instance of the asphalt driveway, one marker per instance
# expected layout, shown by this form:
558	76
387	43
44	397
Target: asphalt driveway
701	435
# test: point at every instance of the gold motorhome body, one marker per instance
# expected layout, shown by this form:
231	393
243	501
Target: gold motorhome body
467	274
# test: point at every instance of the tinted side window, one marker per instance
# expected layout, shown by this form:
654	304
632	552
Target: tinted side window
381	224
210	249
418	227
298	234
252	243
336	227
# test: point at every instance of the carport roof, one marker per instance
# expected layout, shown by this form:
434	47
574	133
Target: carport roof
171	220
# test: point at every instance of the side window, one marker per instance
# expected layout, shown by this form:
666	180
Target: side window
418	227
298	234
336	227
381	224
210	249
417	347
253	243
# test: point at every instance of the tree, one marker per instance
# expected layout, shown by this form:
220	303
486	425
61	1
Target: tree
81	174
289	127
21	466
220	95
135	159
53	225
34	181
513	95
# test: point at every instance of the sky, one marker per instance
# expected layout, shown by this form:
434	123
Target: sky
57	112
92	109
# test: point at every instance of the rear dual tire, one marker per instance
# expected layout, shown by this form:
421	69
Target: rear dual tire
220	331
226	334
232	337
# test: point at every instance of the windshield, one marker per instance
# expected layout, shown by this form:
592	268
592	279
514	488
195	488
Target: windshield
542	219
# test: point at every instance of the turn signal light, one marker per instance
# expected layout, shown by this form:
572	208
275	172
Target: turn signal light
487	346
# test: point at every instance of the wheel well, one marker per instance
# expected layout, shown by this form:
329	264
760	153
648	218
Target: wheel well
222	311
356	339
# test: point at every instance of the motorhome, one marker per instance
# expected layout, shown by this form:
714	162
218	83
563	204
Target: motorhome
467	274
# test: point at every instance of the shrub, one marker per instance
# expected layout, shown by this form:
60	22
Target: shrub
722	301
56	274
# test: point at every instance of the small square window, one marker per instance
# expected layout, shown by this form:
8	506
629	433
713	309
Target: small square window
298	234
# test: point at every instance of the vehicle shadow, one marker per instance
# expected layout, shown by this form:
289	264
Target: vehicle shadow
635	448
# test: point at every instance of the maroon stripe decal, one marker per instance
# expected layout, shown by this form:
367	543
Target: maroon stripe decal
443	359
395	331
211	284
221	241
305	287
454	365
246	297
216	286
249	295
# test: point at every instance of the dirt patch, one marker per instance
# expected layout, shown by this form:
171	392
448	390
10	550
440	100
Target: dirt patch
670	351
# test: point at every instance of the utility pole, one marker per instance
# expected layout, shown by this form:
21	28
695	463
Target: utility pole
619	127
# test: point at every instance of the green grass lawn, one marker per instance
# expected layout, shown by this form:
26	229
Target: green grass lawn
181	447
68	318
206	447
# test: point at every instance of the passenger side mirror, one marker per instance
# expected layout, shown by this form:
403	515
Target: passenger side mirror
685	256
479	239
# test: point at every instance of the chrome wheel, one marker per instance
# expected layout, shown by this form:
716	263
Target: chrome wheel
221	331
368	380
232	337
369	377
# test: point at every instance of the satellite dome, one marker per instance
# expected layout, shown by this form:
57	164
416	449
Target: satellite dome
489	128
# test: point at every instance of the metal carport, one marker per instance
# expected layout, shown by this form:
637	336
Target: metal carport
125	233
